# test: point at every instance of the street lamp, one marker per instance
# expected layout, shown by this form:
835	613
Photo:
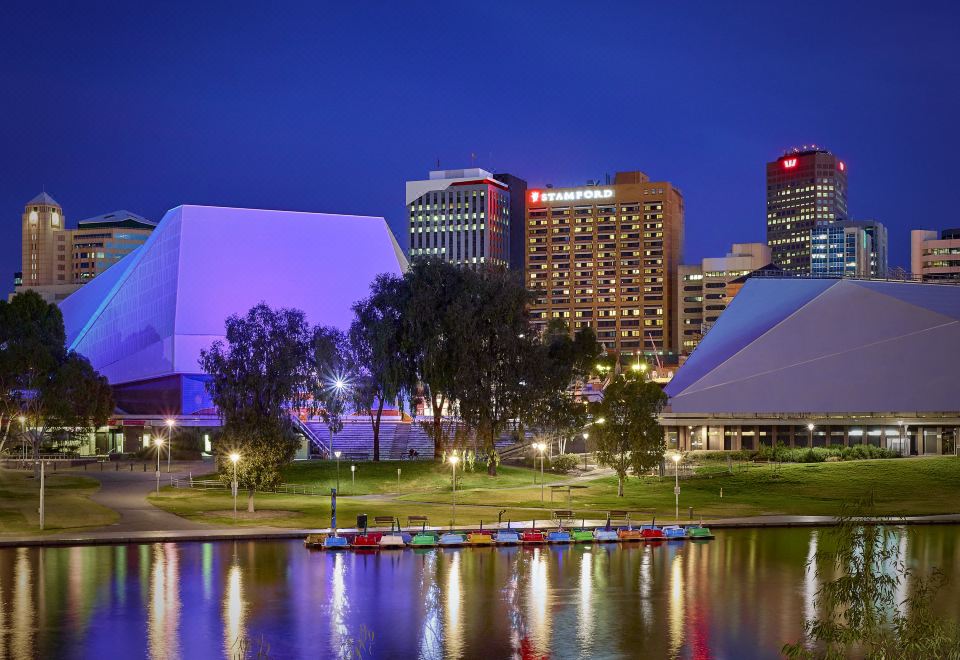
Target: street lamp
810	428
337	454
453	463
676	486
541	447
159	443
234	458
23	431
170	425
585	436
353	476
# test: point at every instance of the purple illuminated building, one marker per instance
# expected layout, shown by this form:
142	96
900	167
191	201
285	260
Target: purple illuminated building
143	322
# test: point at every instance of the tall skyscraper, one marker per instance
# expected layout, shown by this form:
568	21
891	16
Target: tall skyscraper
606	257
702	289
518	201
462	216
57	260
879	246
804	187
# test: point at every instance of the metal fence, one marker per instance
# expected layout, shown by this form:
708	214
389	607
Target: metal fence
215	484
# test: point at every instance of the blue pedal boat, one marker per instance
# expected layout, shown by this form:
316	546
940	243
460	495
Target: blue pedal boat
602	535
559	536
674	533
451	540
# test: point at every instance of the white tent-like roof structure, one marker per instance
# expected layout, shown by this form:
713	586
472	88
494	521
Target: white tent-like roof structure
827	346
151	313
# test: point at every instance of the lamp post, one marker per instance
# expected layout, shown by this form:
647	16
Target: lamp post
159	443
810	428
234	458
339	384
585	436
676	486
42	507
353	476
900	424
170	425
398	481
23	432
453	464
541	448
337	454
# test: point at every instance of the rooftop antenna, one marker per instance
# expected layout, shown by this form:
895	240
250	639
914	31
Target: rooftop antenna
473	159
438	162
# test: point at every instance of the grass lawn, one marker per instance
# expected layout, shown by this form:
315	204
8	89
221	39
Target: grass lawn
67	504
902	487
415	477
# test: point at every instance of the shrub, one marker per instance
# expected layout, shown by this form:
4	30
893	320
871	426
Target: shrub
564	463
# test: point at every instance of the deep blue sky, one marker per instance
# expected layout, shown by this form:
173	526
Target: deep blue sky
331	108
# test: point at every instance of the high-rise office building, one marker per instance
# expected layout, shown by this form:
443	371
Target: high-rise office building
935	257
839	249
57	260
606	257
702	289
804	187
462	216
518	202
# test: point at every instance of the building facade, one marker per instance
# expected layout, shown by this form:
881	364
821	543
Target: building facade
518	202
461	216
810	362
935	257
804	187
879	246
839	249
703	289
607	257
57	261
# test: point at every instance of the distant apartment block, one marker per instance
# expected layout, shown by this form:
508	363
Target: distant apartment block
935	257
703	289
57	261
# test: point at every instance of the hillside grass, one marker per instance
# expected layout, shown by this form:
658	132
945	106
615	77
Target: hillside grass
67	504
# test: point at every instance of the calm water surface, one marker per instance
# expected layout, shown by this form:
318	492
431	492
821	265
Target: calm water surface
740	596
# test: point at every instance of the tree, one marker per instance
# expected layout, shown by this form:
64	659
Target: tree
329	377
377	355
630	437
498	352
59	395
257	378
434	331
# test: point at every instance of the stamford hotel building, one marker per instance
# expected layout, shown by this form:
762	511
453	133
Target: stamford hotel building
606	257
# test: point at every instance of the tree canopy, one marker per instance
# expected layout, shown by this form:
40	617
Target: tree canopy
629	438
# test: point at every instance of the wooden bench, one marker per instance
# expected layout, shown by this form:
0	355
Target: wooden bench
617	514
563	514
416	521
383	521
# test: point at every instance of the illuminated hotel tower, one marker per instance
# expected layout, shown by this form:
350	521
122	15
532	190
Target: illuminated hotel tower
606	257
805	187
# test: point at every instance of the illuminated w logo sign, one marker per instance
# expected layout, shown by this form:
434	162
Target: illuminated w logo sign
789	162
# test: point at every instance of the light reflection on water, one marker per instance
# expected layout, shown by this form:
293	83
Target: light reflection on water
742	595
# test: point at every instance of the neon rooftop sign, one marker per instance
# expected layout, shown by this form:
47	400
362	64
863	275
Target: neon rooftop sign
575	195
789	163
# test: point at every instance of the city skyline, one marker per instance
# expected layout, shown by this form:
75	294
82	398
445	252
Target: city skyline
330	123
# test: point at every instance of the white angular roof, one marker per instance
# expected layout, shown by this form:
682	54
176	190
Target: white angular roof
827	346
152	312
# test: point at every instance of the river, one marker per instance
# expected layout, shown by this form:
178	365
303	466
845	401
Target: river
741	595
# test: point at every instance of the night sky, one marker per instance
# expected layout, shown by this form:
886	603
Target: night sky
331	107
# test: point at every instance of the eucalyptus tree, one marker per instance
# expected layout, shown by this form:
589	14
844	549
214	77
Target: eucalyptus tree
380	365
259	376
436	339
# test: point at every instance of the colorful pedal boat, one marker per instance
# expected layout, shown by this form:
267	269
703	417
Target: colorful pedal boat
602	535
314	541
506	537
451	539
652	533
630	534
391	541
336	543
674	532
534	536
583	536
479	538
700	533
369	541
424	540
559	536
